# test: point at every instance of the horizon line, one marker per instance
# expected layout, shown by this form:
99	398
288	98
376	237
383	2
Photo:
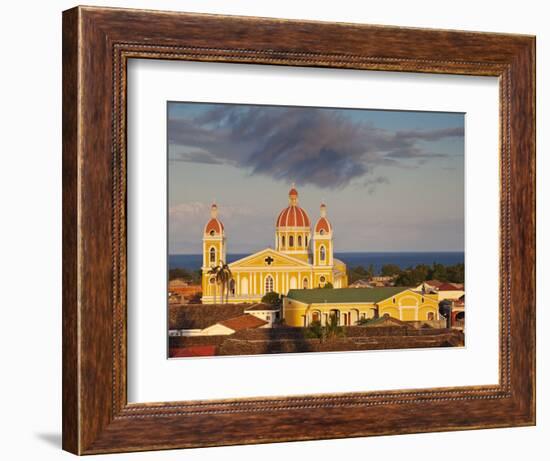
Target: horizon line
340	252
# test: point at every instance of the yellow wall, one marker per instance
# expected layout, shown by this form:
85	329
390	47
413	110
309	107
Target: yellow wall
408	306
318	243
408	303
299	249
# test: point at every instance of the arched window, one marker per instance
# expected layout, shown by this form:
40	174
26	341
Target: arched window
212	232
212	255
283	241
299	240
431	316
268	284
304	283
322	232
306	240
322	279
322	254
291	241
232	286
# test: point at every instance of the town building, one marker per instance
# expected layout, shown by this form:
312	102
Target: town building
350	305
223	327
302	257
180	291
444	290
361	283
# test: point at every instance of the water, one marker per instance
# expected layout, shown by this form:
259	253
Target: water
377	259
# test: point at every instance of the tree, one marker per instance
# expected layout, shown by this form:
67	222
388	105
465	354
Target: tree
222	276
370	271
390	269
273	299
332	329
327	332
314	331
179	273
214	272
328	285
225	276
445	309
439	272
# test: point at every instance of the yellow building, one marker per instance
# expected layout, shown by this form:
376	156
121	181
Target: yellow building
299	259
349	305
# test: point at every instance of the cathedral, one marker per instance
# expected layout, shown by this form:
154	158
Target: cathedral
299	260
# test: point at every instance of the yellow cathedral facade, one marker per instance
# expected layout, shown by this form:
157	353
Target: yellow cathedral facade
300	259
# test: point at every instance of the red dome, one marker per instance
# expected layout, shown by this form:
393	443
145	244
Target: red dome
293	192
214	225
322	225
293	216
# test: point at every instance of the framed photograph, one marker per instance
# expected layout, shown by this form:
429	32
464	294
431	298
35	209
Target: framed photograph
281	230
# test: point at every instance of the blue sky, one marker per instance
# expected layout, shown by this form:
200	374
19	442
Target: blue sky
392	180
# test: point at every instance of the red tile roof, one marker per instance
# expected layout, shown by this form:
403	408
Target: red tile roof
434	283
448	287
192	351
243	322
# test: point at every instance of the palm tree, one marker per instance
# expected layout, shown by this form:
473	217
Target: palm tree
225	277
215	271
332	329
326	332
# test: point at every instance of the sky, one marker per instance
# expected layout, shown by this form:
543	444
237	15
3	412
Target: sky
391	180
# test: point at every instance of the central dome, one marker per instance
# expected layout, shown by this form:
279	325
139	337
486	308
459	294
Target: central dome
293	215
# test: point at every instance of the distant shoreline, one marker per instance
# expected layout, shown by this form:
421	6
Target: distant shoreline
402	259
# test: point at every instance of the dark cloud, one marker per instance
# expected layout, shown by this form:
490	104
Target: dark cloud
372	183
305	145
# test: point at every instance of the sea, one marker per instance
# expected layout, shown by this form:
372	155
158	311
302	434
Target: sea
352	259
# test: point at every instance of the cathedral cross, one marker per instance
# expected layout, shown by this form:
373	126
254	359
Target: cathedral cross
269	260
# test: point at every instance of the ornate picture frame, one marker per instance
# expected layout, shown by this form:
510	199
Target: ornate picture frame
97	44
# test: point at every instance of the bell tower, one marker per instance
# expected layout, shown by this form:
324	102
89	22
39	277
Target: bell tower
213	239
323	247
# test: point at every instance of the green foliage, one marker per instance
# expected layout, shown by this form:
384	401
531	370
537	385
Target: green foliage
413	276
359	272
370	271
446	309
223	276
364	322
325	333
273	299
328	285
180	273
333	330
314	331
390	269
193	277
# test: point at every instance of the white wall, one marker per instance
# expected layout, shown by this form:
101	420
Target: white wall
30	247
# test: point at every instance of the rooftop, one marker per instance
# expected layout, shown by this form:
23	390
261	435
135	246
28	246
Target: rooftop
262	307
344	295
449	287
199	316
242	322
